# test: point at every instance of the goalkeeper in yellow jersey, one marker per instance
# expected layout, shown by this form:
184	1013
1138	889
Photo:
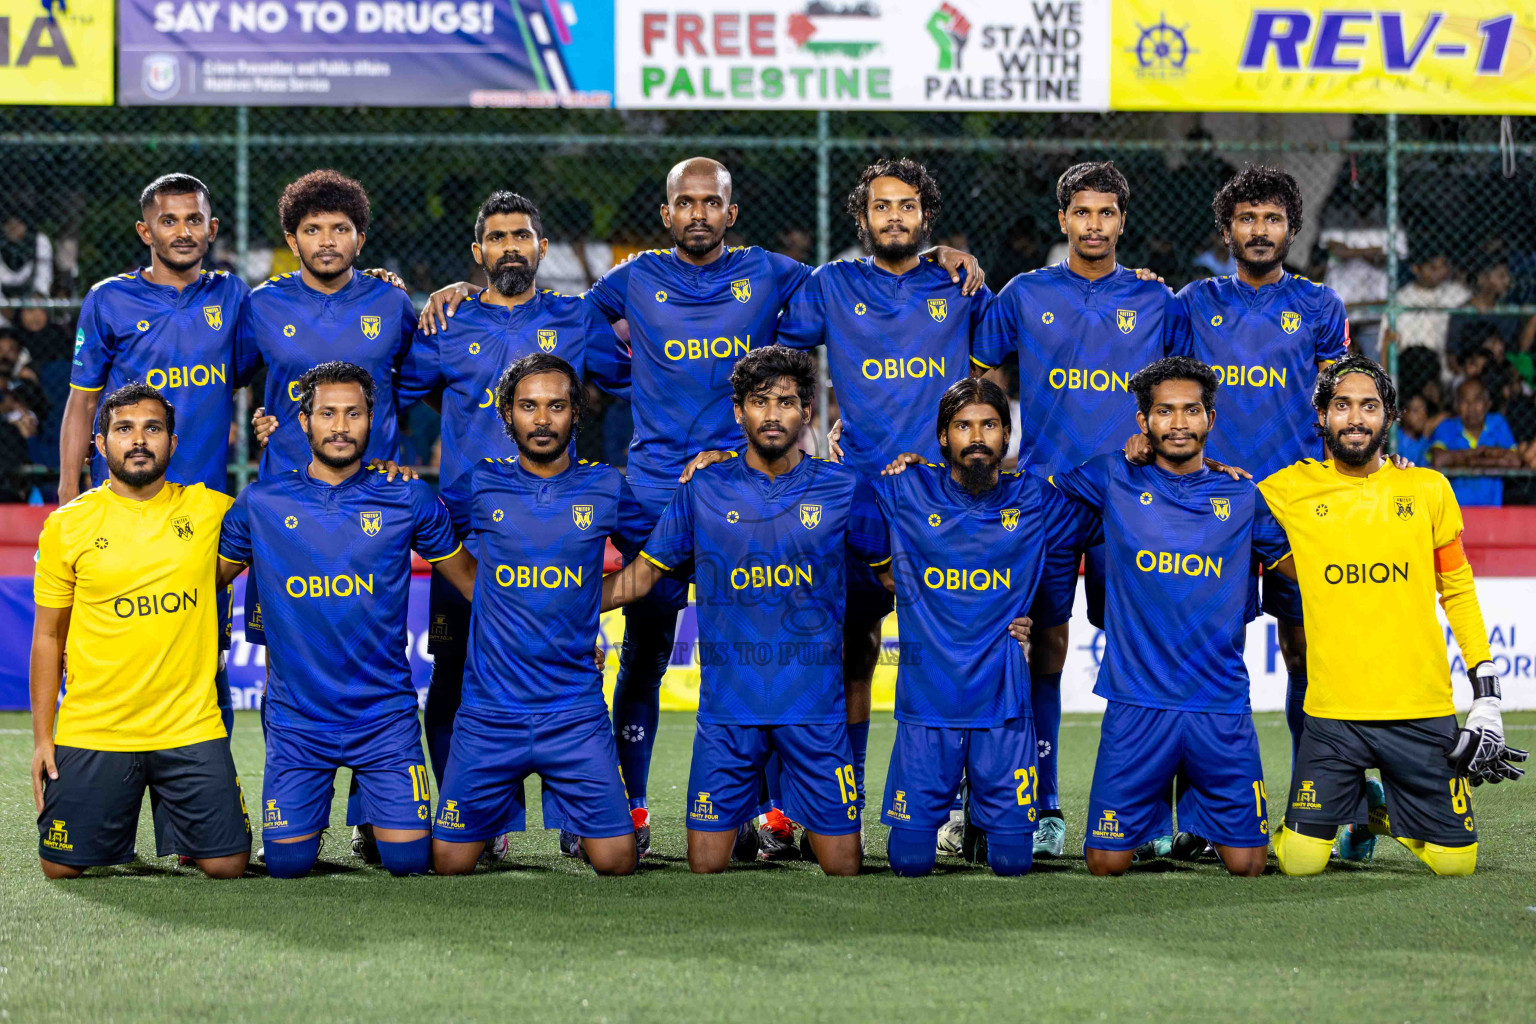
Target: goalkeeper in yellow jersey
1371	546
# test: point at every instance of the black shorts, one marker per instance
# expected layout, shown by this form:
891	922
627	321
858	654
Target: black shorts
1425	800
91	812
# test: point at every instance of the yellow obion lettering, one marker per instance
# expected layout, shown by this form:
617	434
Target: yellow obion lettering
967	579
1174	563
770	576
892	368
1251	376
707	348
197	376
546	577
330	586
1078	378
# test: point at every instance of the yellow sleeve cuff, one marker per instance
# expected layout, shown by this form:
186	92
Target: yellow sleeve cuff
232	561
53	602
664	567
77	387
1277	561
984	366
443	558
884	561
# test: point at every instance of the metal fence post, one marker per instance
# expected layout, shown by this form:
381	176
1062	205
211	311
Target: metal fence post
1389	325
242	247
823	249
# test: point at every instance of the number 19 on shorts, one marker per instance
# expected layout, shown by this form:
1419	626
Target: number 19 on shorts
848	790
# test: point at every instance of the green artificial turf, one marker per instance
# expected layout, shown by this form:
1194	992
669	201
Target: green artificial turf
541	939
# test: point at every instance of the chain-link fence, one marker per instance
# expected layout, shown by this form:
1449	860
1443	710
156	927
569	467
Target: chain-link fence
1400	212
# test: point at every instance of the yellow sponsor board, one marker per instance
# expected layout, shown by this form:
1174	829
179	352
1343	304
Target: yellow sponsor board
1409	56
57	53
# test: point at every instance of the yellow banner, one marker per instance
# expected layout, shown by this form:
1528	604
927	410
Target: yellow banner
56	52
1414	56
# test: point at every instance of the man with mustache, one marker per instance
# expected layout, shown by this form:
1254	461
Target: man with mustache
330	543
1372	544
510	319
125	588
1080	329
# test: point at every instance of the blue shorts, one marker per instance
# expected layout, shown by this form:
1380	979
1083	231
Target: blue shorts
928	762
868	600
1141	752
1057	590
482	794
1282	598
817	787
385	757
671	591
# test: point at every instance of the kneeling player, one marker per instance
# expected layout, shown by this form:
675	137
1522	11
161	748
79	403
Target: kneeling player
1178	541
533	698
769	535
969	545
330	548
1372	543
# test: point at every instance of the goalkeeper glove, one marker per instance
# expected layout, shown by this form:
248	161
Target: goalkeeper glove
1480	753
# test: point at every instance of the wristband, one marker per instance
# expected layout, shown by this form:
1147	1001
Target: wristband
1485	683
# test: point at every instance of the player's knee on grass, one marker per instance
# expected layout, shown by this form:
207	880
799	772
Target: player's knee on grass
615	855
292	858
709	853
1446	861
412	857
912	851
1107	863
837	855
1245	861
1302	854
1010	855
455	858
1048	649
232	866
56	871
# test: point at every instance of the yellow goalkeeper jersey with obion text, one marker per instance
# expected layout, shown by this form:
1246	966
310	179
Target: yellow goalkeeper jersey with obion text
1365	555
143	643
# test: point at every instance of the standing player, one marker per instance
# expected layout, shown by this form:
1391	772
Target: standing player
331	545
1372	543
533	698
1179	540
769	536
1080	328
125	592
969	546
898	333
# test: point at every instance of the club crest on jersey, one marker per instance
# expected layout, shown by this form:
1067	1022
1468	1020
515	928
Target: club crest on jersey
810	516
547	340
371	326
938	309
1125	319
215	317
371	522
742	289
183	525
1404	505
1010	519
1290	322
581	515
1222	507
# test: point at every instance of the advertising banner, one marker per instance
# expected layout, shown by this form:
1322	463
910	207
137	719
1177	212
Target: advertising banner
1024	55
378	53
1408	56
55	52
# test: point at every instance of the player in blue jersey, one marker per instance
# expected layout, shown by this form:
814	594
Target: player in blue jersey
533	698
331	543
692	311
512	318
898	333
969	545
1179	543
768	536
1080	329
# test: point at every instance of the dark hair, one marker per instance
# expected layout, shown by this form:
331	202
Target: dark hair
1173	368
528	366
1328	381
1092	177
334	372
1258	184
972	391
324	191
131	394
1431	407
905	170
761	367
173	185
507	202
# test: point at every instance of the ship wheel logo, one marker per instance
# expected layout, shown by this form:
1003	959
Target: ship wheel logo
1161	49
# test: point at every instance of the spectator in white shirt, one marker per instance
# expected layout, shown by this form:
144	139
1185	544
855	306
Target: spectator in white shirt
1435	284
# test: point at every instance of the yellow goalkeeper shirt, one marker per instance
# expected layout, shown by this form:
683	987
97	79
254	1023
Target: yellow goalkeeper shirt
143	645
1370	555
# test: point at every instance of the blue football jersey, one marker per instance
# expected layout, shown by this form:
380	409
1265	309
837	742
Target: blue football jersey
333	564
486	338
895	342
770	558
185	343
539	584
293	328
1178	566
1079	342
1264	345
687	327
965	567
